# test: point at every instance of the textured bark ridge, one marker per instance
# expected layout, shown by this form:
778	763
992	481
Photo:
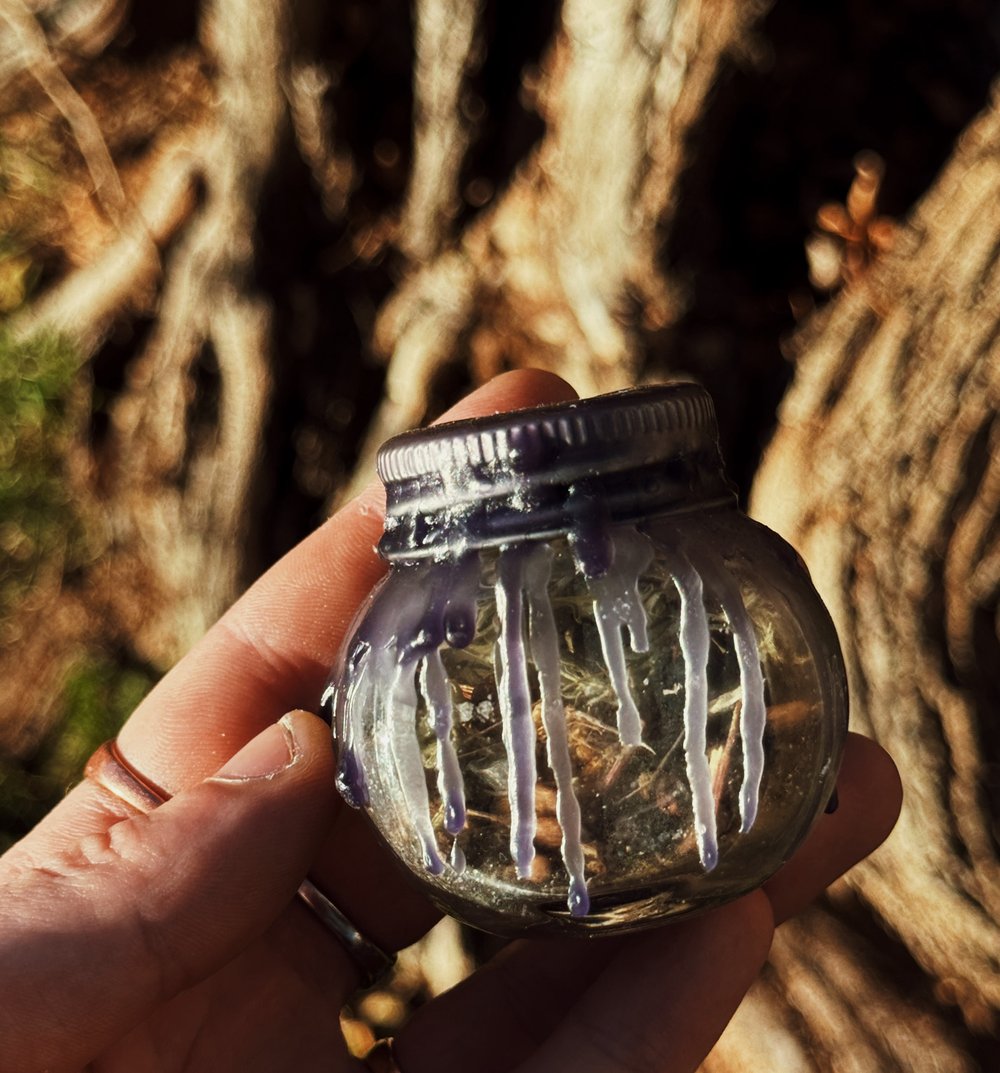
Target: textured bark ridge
833	997
885	474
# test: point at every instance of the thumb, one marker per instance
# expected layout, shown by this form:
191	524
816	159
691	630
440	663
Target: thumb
93	936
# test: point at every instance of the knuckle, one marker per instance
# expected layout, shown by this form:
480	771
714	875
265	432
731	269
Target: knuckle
120	846
113	879
145	902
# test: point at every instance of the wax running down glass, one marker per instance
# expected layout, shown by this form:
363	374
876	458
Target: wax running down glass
590	694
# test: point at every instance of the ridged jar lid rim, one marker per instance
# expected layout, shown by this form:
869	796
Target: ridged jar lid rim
617	417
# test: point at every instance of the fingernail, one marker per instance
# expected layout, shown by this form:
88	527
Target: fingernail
267	755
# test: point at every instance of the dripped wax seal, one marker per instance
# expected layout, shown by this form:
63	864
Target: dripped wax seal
655	697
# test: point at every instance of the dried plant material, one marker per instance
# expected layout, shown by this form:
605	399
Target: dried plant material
852	236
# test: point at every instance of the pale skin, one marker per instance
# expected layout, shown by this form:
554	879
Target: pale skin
172	940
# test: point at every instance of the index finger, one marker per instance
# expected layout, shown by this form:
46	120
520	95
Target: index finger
272	653
273	649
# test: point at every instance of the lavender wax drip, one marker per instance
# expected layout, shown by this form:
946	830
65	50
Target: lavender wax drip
350	774
753	711
399	649
616	604
694	638
371	667
437	690
395	639
409	763
544	641
515	708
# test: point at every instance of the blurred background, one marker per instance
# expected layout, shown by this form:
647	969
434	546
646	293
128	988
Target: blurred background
244	241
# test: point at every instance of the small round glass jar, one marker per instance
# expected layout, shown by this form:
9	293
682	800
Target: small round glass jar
590	693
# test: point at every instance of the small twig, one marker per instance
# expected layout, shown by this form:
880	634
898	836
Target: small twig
445	51
647	786
36	58
87	300
332	168
725	760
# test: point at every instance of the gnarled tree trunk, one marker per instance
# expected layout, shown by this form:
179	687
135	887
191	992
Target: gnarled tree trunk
885	474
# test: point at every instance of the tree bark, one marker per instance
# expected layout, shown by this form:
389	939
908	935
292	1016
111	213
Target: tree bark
885	474
540	277
543	276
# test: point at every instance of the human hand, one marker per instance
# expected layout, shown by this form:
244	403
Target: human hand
170	940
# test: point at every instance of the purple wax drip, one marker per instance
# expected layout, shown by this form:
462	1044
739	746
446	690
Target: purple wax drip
460	613
609	629
459	626
429	632
694	638
617	603
350	772
544	640
438	605
358	654
351	780
359	671
448	613
528	452
410	765
457	858
437	690
395	637
515	709
592	547
753	710
579	898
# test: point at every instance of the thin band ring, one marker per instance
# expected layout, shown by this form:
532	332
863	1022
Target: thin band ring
371	960
108	769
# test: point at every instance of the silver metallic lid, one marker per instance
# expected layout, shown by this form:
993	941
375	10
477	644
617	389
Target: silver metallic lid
535	472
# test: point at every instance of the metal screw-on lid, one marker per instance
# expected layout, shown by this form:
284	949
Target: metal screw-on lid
536	472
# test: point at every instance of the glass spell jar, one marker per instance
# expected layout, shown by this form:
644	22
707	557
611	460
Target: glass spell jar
590	693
